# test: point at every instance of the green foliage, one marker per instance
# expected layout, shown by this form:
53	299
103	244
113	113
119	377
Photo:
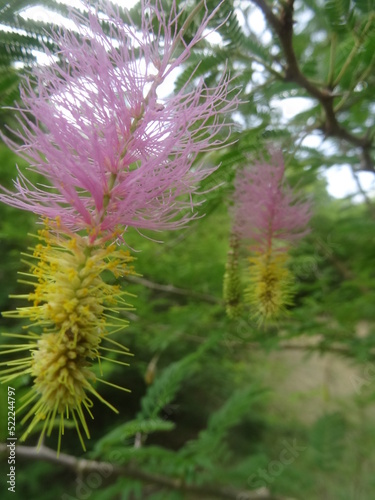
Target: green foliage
130	429
164	389
327	440
210	448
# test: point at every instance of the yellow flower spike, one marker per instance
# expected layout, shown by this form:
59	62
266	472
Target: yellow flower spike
271	285
232	290
73	313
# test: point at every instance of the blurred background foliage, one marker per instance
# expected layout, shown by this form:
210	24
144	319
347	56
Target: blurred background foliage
215	402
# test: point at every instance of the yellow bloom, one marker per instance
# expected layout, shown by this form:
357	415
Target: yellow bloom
270	288
73	312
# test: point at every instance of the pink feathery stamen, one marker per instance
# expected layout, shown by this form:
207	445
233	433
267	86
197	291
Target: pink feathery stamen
114	151
266	209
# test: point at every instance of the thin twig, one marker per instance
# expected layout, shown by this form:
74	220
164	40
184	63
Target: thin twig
173	289
367	200
111	472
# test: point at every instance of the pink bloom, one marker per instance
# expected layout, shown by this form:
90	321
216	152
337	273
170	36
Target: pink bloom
115	152
265	209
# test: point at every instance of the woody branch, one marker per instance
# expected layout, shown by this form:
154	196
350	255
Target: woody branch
83	466
283	27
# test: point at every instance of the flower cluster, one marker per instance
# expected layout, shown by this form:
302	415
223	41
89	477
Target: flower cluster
269	217
115	153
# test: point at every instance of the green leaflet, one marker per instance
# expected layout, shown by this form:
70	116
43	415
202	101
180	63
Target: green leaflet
122	434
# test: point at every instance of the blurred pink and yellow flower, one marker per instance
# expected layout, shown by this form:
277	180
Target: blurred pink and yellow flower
269	217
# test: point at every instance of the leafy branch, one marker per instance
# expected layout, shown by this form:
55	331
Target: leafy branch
282	25
82	466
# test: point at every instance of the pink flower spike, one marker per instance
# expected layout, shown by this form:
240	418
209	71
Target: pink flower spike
265	208
114	152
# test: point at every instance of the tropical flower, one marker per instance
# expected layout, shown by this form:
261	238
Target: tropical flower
116	152
269	216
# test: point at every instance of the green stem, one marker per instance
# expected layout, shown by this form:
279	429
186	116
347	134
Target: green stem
332	56
186	24
354	50
361	78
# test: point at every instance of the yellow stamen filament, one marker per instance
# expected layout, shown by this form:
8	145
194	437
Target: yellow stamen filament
69	316
270	289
